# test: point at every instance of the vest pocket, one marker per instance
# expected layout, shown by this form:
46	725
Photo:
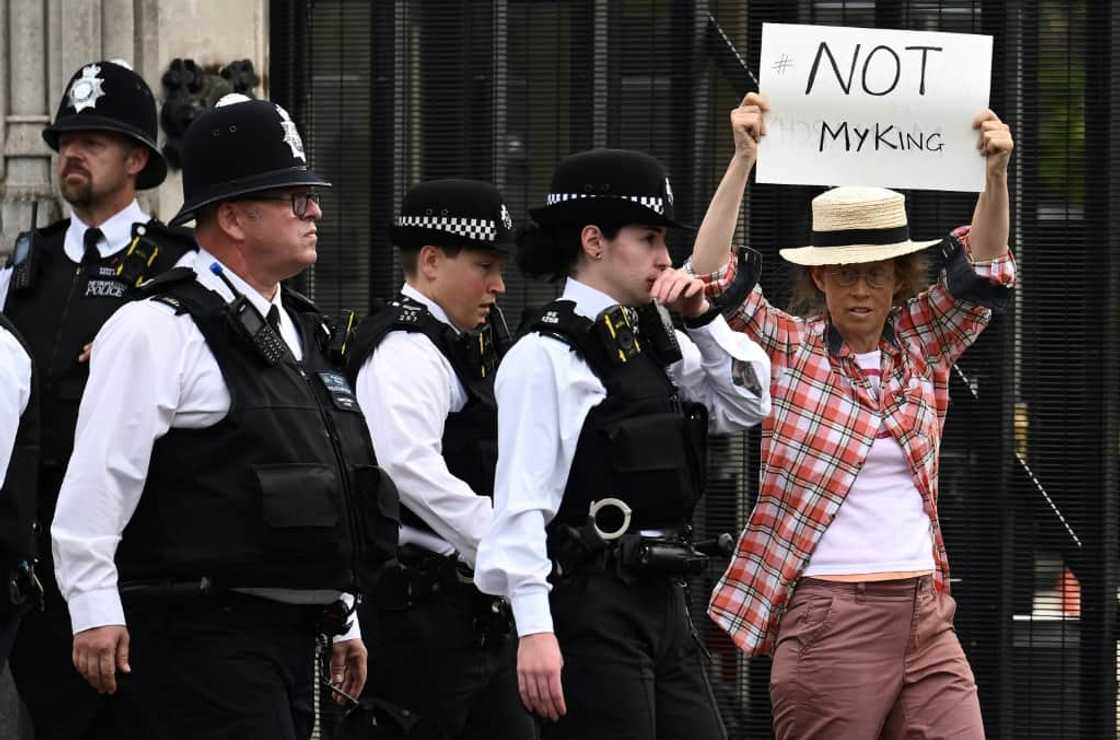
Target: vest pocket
299	507
652	468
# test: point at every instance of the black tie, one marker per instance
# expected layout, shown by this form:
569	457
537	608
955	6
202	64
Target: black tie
273	319
90	239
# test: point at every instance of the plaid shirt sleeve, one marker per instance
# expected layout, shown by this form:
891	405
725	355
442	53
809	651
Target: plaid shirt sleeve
776	331
945	325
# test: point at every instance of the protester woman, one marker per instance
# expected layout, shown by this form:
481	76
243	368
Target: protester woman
841	573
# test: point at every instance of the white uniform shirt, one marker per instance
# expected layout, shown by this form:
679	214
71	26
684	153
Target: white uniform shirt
544	393
15	392
116	233
151	370
406	389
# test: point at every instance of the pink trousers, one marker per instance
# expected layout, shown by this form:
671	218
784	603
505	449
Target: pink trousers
860	661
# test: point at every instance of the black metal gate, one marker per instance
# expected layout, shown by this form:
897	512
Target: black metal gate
392	92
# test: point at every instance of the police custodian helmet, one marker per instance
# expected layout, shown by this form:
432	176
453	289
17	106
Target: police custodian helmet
241	146
620	185
108	96
454	213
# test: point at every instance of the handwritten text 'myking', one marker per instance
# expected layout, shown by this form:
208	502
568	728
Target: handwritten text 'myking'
878	137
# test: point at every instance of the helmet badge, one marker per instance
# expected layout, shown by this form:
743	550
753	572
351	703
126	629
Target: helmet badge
85	90
291	134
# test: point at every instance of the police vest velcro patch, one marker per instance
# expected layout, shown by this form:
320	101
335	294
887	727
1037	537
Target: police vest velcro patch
342	395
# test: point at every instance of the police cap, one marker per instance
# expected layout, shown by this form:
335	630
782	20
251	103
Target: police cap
108	96
241	146
454	213
621	185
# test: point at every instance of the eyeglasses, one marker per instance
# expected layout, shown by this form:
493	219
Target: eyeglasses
300	201
877	276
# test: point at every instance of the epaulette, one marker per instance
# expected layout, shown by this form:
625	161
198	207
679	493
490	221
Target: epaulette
297	301
155	248
158	230
164	281
610	341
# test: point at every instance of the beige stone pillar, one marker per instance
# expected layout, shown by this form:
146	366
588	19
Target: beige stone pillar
42	43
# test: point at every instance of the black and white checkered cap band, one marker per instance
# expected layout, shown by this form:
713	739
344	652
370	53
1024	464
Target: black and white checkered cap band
653	203
479	229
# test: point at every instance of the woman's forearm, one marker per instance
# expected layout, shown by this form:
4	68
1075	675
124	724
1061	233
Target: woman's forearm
718	228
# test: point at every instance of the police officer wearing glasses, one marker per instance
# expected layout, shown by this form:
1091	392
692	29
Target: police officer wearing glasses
223	496
424	368
603	412
61	284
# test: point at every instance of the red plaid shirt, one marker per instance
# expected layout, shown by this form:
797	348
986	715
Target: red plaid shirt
825	418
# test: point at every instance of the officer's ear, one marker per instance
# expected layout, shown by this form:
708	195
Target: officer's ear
136	160
592	242
230	217
429	260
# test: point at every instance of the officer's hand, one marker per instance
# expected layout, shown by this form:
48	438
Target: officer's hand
99	653
87	350
348	668
538	675
680	292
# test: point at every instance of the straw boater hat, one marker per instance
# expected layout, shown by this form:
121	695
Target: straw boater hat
856	224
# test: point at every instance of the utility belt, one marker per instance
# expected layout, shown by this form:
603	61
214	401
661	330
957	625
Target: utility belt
322	619
587	548
419	576
23	591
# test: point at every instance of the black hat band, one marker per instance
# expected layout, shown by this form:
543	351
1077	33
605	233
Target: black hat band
847	237
479	229
655	204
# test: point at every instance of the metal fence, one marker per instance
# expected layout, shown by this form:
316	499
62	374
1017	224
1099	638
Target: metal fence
391	93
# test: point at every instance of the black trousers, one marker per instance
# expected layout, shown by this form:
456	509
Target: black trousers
633	664
43	668
236	667
427	659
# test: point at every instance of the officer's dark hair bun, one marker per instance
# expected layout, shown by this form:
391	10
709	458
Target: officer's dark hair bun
552	252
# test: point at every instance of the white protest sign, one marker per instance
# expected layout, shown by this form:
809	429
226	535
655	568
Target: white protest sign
868	106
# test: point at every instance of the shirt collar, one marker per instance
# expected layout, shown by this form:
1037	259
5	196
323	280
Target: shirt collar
434	308
116	232
590	302
202	262
837	348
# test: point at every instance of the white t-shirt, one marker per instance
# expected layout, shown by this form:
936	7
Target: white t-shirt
882	525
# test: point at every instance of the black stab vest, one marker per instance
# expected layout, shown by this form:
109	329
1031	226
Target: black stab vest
59	307
470	435
641	444
284	491
19	490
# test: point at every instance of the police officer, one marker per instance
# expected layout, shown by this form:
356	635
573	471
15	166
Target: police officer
424	371
603	411
222	494
19	449
62	283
